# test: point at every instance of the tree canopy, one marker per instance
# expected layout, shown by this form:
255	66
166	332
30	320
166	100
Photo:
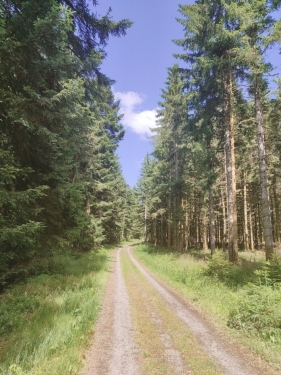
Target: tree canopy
214	148
59	132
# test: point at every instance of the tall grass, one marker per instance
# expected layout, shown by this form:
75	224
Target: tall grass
245	299
46	321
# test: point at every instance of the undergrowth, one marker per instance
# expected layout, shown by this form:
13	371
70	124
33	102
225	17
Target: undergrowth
245	297
45	321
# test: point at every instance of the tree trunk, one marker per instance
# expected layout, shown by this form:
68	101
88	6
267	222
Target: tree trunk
186	232
265	205
251	231
212	222
145	223
176	207
246	233
230	169
224	222
276	209
204	230
154	225
181	227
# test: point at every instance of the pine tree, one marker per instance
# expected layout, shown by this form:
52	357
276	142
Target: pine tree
209	38
170	136
254	49
224	44
59	128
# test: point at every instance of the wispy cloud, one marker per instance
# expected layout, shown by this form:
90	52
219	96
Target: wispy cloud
139	122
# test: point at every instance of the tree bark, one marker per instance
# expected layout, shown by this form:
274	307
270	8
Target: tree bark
265	204
276	209
204	230
224	221
251	232
230	168
212	222
186	231
246	233
145	223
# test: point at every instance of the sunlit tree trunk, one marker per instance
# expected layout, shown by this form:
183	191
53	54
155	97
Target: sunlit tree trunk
230	168
251	231
186	231
224	213
212	222
276	209
246	233
145	223
265	204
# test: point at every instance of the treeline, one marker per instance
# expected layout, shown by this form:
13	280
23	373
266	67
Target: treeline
60	180
214	177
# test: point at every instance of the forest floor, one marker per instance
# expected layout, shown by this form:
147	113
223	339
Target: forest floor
147	328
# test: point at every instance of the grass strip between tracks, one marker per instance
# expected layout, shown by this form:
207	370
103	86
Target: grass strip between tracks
146	301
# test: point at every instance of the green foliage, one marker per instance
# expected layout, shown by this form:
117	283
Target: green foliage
270	273
234	275
209	111
59	133
232	294
257	312
257	309
45	322
218	265
274	269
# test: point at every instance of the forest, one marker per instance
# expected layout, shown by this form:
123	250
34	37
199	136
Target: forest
204	217
60	180
214	179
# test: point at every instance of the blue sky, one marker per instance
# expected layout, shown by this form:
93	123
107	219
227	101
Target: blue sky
138	63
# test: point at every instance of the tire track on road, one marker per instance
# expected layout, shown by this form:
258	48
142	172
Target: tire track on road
231	360
123	358
113	351
173	338
157	352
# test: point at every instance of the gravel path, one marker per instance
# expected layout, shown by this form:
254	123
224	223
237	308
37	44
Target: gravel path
230	364
114	352
123	357
172	355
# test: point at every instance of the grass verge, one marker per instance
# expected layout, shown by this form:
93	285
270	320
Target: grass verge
45	322
235	296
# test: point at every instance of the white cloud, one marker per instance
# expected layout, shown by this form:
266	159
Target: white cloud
138	122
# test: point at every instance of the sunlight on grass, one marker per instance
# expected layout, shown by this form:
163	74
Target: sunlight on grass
46	321
243	297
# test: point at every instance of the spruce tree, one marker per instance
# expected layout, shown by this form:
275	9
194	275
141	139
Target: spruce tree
59	126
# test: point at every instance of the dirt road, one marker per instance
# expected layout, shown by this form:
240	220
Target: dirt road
145	328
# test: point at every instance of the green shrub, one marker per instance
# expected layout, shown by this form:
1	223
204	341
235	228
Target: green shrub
245	296
218	265
270	272
233	275
258	312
